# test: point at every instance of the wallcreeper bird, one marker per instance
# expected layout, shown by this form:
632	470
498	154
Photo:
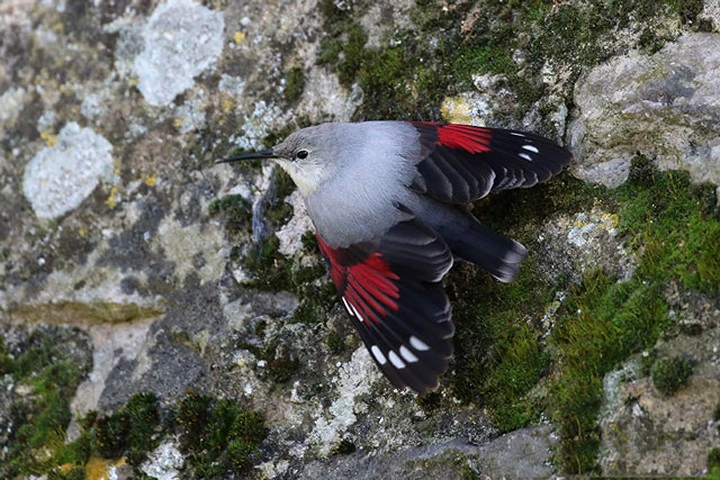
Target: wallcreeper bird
387	201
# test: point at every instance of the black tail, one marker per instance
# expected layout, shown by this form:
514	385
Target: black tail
493	252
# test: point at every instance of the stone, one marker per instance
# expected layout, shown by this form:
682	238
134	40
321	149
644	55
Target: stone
61	176
665	106
181	40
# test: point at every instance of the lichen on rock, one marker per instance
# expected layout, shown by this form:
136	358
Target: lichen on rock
181	40
164	316
61	176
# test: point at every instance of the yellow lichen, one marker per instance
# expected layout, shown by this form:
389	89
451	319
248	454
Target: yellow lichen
227	105
151	181
609	221
49	137
239	37
112	198
178	122
97	469
456	110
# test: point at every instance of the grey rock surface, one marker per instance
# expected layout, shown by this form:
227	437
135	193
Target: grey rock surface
665	106
521	454
181	40
131	252
60	177
648	433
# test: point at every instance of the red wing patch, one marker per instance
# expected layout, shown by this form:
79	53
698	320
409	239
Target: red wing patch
466	137
367	286
390	286
461	163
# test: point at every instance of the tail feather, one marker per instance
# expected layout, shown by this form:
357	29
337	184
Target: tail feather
493	252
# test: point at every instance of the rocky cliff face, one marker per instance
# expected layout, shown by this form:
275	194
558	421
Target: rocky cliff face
164	317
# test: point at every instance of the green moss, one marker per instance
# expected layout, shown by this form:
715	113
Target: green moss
468	473
132	432
236	210
688	10
669	375
73	473
429	402
446	47
316	303
7	364
52	371
714	459
218	437
279	211
669	219
343	47
294	84
498	354
309	242
78	451
602	323
335	342
282	365
345	447
268	265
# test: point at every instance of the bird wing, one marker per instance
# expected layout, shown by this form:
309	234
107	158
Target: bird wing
391	287
460	163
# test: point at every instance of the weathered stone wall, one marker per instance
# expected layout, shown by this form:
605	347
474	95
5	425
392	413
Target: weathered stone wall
158	308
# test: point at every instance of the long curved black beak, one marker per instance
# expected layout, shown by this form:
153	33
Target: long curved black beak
248	156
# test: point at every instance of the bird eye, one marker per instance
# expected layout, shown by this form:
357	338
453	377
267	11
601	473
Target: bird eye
302	154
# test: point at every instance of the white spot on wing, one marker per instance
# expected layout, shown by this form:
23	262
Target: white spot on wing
395	360
418	344
347	307
378	354
408	355
517	134
530	148
357	314
525	156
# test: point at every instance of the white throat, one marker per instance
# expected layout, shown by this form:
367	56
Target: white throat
307	178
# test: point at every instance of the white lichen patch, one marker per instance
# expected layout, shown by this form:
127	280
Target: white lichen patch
257	126
324	97
585	228
60	177
11	104
165	462
181	40
191	115
290	235
202	242
585	241
355	379
233	86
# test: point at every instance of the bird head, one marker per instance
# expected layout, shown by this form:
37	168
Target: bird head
306	155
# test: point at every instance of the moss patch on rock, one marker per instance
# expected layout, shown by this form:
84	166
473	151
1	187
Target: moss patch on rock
448	44
498	357
603	322
671	374
676	223
49	365
218	436
503	359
